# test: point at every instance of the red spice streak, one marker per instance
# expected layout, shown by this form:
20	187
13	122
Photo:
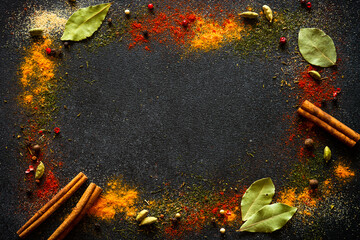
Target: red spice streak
165	27
315	91
50	186
198	216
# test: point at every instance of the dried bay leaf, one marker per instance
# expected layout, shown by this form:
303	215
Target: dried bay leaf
316	47
40	170
84	22
269	218
259	194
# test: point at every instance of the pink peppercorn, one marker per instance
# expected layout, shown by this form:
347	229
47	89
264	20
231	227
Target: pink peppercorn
48	51
282	40
185	23
150	6
57	130
308	5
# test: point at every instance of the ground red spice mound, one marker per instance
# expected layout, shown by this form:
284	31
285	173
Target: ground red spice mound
164	27
196	217
316	91
49	187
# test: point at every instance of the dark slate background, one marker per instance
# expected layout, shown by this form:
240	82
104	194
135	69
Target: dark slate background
154	114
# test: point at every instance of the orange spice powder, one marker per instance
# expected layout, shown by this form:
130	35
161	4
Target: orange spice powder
211	35
37	71
118	198
343	172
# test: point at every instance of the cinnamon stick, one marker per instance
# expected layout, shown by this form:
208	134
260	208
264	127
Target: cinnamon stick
75	212
333	122
50	207
88	205
327	127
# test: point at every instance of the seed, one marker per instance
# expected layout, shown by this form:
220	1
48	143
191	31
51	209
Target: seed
327	154
150	6
315	75
109	21
309	143
33	158
146	34
222	230
178	215
127	12
48	50
222	211
185	23
162	216
56	130
37	148
141	215
249	14
66	44
148	221
313	183
173	221
268	12
308	5
36	32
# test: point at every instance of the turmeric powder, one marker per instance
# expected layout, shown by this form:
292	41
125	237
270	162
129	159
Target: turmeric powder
343	172
211	35
37	72
117	198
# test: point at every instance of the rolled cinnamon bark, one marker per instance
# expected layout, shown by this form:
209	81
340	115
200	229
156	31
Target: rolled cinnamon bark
88	205
333	122
50	207
327	127
75	212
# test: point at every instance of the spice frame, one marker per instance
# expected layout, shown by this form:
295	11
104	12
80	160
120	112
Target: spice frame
177	108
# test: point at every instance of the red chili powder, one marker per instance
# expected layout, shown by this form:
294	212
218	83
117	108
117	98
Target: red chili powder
164	27
196	217
50	186
314	90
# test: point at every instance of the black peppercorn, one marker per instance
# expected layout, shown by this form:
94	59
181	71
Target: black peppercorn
146	34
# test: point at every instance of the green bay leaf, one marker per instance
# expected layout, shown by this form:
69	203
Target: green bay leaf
316	47
84	22
269	218
259	194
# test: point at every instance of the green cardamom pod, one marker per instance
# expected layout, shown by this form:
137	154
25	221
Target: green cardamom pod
40	170
249	14
148	221
141	215
327	154
36	32
315	74
268	12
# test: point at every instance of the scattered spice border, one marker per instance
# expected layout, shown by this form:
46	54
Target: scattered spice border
253	41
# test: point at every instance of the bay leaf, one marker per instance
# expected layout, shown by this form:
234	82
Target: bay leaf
40	170
316	47
259	194
84	22
269	218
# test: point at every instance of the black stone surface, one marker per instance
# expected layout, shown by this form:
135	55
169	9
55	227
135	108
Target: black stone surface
155	114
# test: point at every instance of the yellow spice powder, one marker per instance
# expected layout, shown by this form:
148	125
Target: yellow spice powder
118	198
212	35
37	71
